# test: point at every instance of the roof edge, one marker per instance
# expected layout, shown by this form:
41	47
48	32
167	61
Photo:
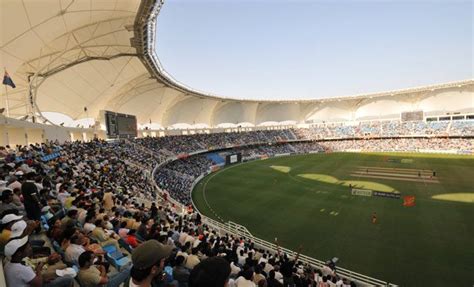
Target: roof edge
144	41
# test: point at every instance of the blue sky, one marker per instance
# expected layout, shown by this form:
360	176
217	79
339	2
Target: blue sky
314	49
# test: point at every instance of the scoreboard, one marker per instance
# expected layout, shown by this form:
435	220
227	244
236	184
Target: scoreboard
233	158
412	116
120	125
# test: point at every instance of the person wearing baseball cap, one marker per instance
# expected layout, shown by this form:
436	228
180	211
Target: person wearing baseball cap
148	262
18	229
10	218
15	245
17	274
7	221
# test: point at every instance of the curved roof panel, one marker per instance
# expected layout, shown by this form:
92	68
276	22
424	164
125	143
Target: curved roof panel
68	55
73	53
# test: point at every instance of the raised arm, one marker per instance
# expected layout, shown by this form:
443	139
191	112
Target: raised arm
278	247
298	252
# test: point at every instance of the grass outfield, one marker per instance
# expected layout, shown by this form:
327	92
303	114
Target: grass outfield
305	199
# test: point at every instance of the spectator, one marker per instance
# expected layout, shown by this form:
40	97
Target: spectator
245	279
7	202
192	259
271	281
19	275
93	275
75	248
132	238
30	194
211	272
7	222
181	273
148	262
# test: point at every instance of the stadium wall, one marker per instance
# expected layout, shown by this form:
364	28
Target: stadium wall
16	132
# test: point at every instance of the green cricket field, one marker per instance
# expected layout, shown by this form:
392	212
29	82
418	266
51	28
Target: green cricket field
307	199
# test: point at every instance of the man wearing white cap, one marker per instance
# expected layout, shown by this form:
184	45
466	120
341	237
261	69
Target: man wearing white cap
17	229
19	173
8	220
19	275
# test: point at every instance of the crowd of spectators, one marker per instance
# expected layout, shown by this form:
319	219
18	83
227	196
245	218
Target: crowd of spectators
462	128
77	199
169	145
79	209
138	154
388	129
177	177
197	142
402	144
71	210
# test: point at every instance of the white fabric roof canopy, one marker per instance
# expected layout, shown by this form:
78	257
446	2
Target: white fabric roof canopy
69	43
78	53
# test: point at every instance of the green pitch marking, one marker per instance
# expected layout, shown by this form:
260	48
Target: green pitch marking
397	244
459	197
284	169
324	178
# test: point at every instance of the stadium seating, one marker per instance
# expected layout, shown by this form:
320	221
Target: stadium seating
98	167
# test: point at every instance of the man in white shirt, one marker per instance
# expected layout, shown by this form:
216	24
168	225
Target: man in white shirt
192	260
278	275
234	269
263	258
182	237
19	275
242	257
75	249
327	271
189	238
246	279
